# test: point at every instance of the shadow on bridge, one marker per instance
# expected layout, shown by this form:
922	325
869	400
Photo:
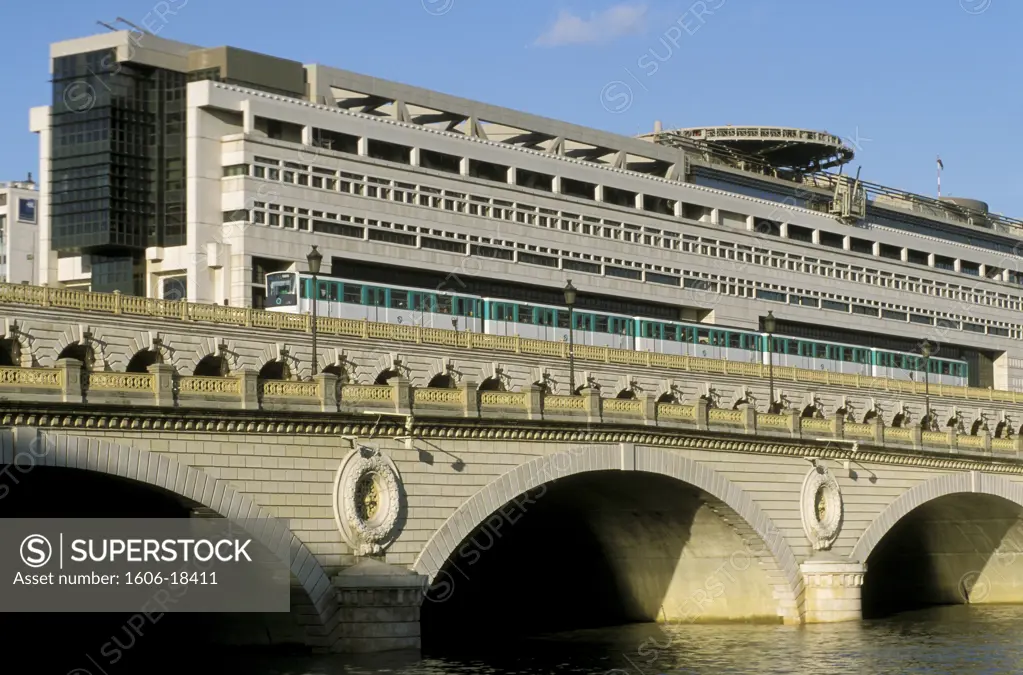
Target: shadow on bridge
962	548
597	549
140	641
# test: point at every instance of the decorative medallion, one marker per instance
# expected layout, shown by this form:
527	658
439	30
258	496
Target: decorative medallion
821	508
367	500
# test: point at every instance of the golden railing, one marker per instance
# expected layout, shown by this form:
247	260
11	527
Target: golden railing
115	303
814	424
674	411
898	435
857	430
564	403
127	382
447	397
503	399
725	416
623	405
38	378
769	421
209	386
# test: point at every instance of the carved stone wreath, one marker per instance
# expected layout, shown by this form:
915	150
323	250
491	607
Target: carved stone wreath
367	501
821	508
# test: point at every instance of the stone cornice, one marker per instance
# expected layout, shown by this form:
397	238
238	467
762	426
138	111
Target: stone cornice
73	418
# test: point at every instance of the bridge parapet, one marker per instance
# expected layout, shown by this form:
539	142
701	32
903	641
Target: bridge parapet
160	389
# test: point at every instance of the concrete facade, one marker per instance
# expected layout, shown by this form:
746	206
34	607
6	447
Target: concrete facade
19	231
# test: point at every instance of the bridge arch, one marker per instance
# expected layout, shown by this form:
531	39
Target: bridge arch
28	445
775	555
972	482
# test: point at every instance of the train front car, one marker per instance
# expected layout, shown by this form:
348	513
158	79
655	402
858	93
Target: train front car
282	292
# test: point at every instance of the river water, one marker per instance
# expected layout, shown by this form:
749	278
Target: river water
960	640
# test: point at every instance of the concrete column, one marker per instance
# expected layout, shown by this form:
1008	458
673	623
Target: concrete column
598	193
679	206
414	157
592	397
833	587
470	397
783	230
702	421
556	185
248	118
71	380
878	431
715	216
463	166
930	259
307	135
953	440
795	424
749	418
847	243
876	248
815	237
163	389
639	201
513	175
250	389
649	409
957	265
916	434
534	402
326	383
751	223
986	440
363	146
402	395
379	607
837	424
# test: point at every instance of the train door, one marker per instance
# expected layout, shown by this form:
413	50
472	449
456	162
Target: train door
502	318
375	301
546	327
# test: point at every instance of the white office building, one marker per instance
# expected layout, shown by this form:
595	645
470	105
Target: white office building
19	231
171	171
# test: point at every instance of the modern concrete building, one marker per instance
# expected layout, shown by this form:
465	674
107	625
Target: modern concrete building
19	231
170	170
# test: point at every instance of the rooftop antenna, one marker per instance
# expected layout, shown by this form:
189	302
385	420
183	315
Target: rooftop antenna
941	166
107	26
129	23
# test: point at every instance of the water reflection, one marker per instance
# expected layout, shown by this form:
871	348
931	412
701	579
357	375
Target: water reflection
961	640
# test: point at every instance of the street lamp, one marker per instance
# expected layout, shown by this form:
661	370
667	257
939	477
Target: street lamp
570	302
314	259
769	326
925	349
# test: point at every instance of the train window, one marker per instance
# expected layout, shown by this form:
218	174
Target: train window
525	314
399	299
647	327
847	354
582	321
946	368
562	319
375	297
703	336
415	301
734	340
352	293
335	290
443	304
862	356
792	347
779	345
321	289
820	351
545	316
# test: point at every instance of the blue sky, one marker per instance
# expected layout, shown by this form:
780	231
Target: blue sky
902	81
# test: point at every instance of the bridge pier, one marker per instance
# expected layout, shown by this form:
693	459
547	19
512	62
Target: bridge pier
832	587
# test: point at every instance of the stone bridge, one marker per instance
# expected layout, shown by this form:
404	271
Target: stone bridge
416	460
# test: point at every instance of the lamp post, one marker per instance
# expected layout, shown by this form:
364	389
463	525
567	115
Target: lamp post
570	303
314	259
769	326
925	349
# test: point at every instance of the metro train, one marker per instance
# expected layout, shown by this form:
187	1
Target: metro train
344	298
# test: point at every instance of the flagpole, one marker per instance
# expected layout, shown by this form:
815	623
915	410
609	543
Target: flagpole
939	176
